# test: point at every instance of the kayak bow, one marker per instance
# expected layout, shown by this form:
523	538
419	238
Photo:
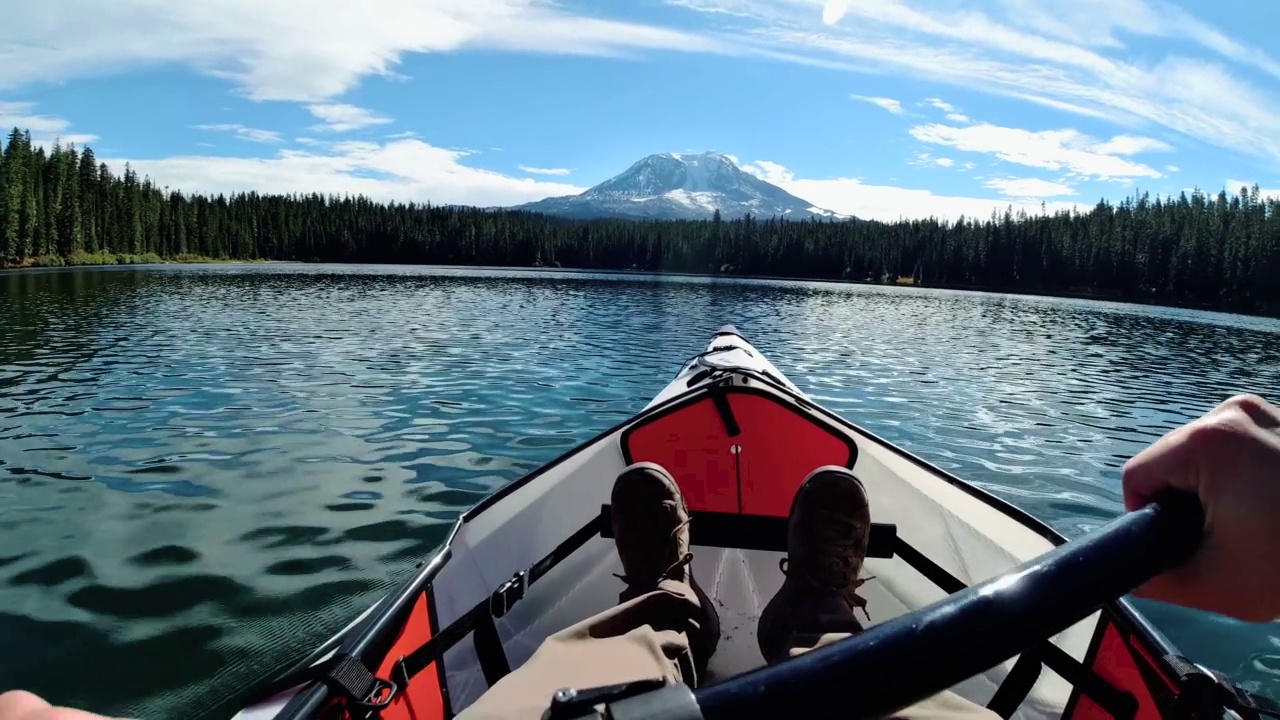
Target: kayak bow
739	437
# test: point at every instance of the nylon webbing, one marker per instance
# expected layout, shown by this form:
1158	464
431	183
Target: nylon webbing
1213	689
1122	705
345	675
493	660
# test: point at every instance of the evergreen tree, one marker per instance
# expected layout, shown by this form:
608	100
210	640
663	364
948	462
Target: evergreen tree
1218	251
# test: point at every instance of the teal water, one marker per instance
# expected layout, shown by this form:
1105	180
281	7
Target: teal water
205	471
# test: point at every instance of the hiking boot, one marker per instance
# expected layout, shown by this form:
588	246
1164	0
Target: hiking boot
651	531
827	536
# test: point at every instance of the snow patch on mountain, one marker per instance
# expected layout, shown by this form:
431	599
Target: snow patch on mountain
683	186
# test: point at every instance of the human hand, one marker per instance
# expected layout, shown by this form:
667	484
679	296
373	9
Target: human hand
22	705
1230	459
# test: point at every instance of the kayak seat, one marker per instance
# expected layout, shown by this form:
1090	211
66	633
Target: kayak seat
756	532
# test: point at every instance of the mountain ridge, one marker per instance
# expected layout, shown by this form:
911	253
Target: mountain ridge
682	186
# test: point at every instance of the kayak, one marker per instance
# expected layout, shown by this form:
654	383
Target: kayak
975	583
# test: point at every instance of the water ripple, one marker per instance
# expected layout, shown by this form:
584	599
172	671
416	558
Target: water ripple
207	470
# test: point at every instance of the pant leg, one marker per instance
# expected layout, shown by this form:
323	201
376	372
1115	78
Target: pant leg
946	705
646	637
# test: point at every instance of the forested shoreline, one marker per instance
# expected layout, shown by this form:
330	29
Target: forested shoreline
61	206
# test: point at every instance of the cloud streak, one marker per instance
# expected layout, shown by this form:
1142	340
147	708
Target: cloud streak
342	117
1030	188
271	51
1068	151
544	171
884	103
402	170
1070	55
45	129
887	203
244	133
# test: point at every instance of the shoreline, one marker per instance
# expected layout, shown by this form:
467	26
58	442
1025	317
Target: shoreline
1082	294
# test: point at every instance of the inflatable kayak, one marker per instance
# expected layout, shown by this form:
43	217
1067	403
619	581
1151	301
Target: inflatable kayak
969	593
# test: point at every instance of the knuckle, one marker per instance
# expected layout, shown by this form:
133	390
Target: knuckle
1247	402
1213	430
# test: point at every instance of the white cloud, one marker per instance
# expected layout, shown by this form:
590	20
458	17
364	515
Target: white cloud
944	162
968	166
342	117
889	104
403	170
1172	168
271	50
958	117
244	133
942	105
1061	150
886	202
1062	54
1098	22
1131	145
833	11
544	171
45	129
1233	186
1030	187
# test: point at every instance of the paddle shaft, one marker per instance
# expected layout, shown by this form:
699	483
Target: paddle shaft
910	658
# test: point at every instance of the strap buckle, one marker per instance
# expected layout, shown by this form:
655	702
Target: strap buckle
350	678
383	692
508	594
1204	692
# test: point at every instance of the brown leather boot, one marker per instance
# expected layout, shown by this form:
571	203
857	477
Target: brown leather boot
651	531
827	535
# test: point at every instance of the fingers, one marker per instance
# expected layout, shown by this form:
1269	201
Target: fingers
22	705
1262	413
1163	465
1178	460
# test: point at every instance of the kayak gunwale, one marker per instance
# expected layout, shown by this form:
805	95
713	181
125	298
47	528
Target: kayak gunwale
370	634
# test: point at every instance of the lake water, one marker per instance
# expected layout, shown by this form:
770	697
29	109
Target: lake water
205	471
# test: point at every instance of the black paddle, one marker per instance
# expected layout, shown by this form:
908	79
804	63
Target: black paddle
912	657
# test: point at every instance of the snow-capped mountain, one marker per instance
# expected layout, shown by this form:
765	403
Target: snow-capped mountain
679	186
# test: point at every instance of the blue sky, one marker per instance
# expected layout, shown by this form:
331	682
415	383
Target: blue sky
877	108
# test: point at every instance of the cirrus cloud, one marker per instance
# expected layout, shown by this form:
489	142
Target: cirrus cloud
271	51
1061	150
884	103
1069	55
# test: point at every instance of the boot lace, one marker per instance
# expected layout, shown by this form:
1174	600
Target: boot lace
672	569
835	552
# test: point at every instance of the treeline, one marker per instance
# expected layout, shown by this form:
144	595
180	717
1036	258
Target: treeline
1218	251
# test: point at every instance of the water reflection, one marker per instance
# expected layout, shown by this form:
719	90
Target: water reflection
205	471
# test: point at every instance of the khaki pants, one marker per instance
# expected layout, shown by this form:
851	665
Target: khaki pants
647	637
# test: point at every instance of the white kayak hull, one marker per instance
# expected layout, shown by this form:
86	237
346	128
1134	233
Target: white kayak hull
969	535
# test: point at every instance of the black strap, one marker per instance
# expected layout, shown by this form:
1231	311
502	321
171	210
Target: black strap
346	676
721	402
1203	693
1119	703
1017	685
493	659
